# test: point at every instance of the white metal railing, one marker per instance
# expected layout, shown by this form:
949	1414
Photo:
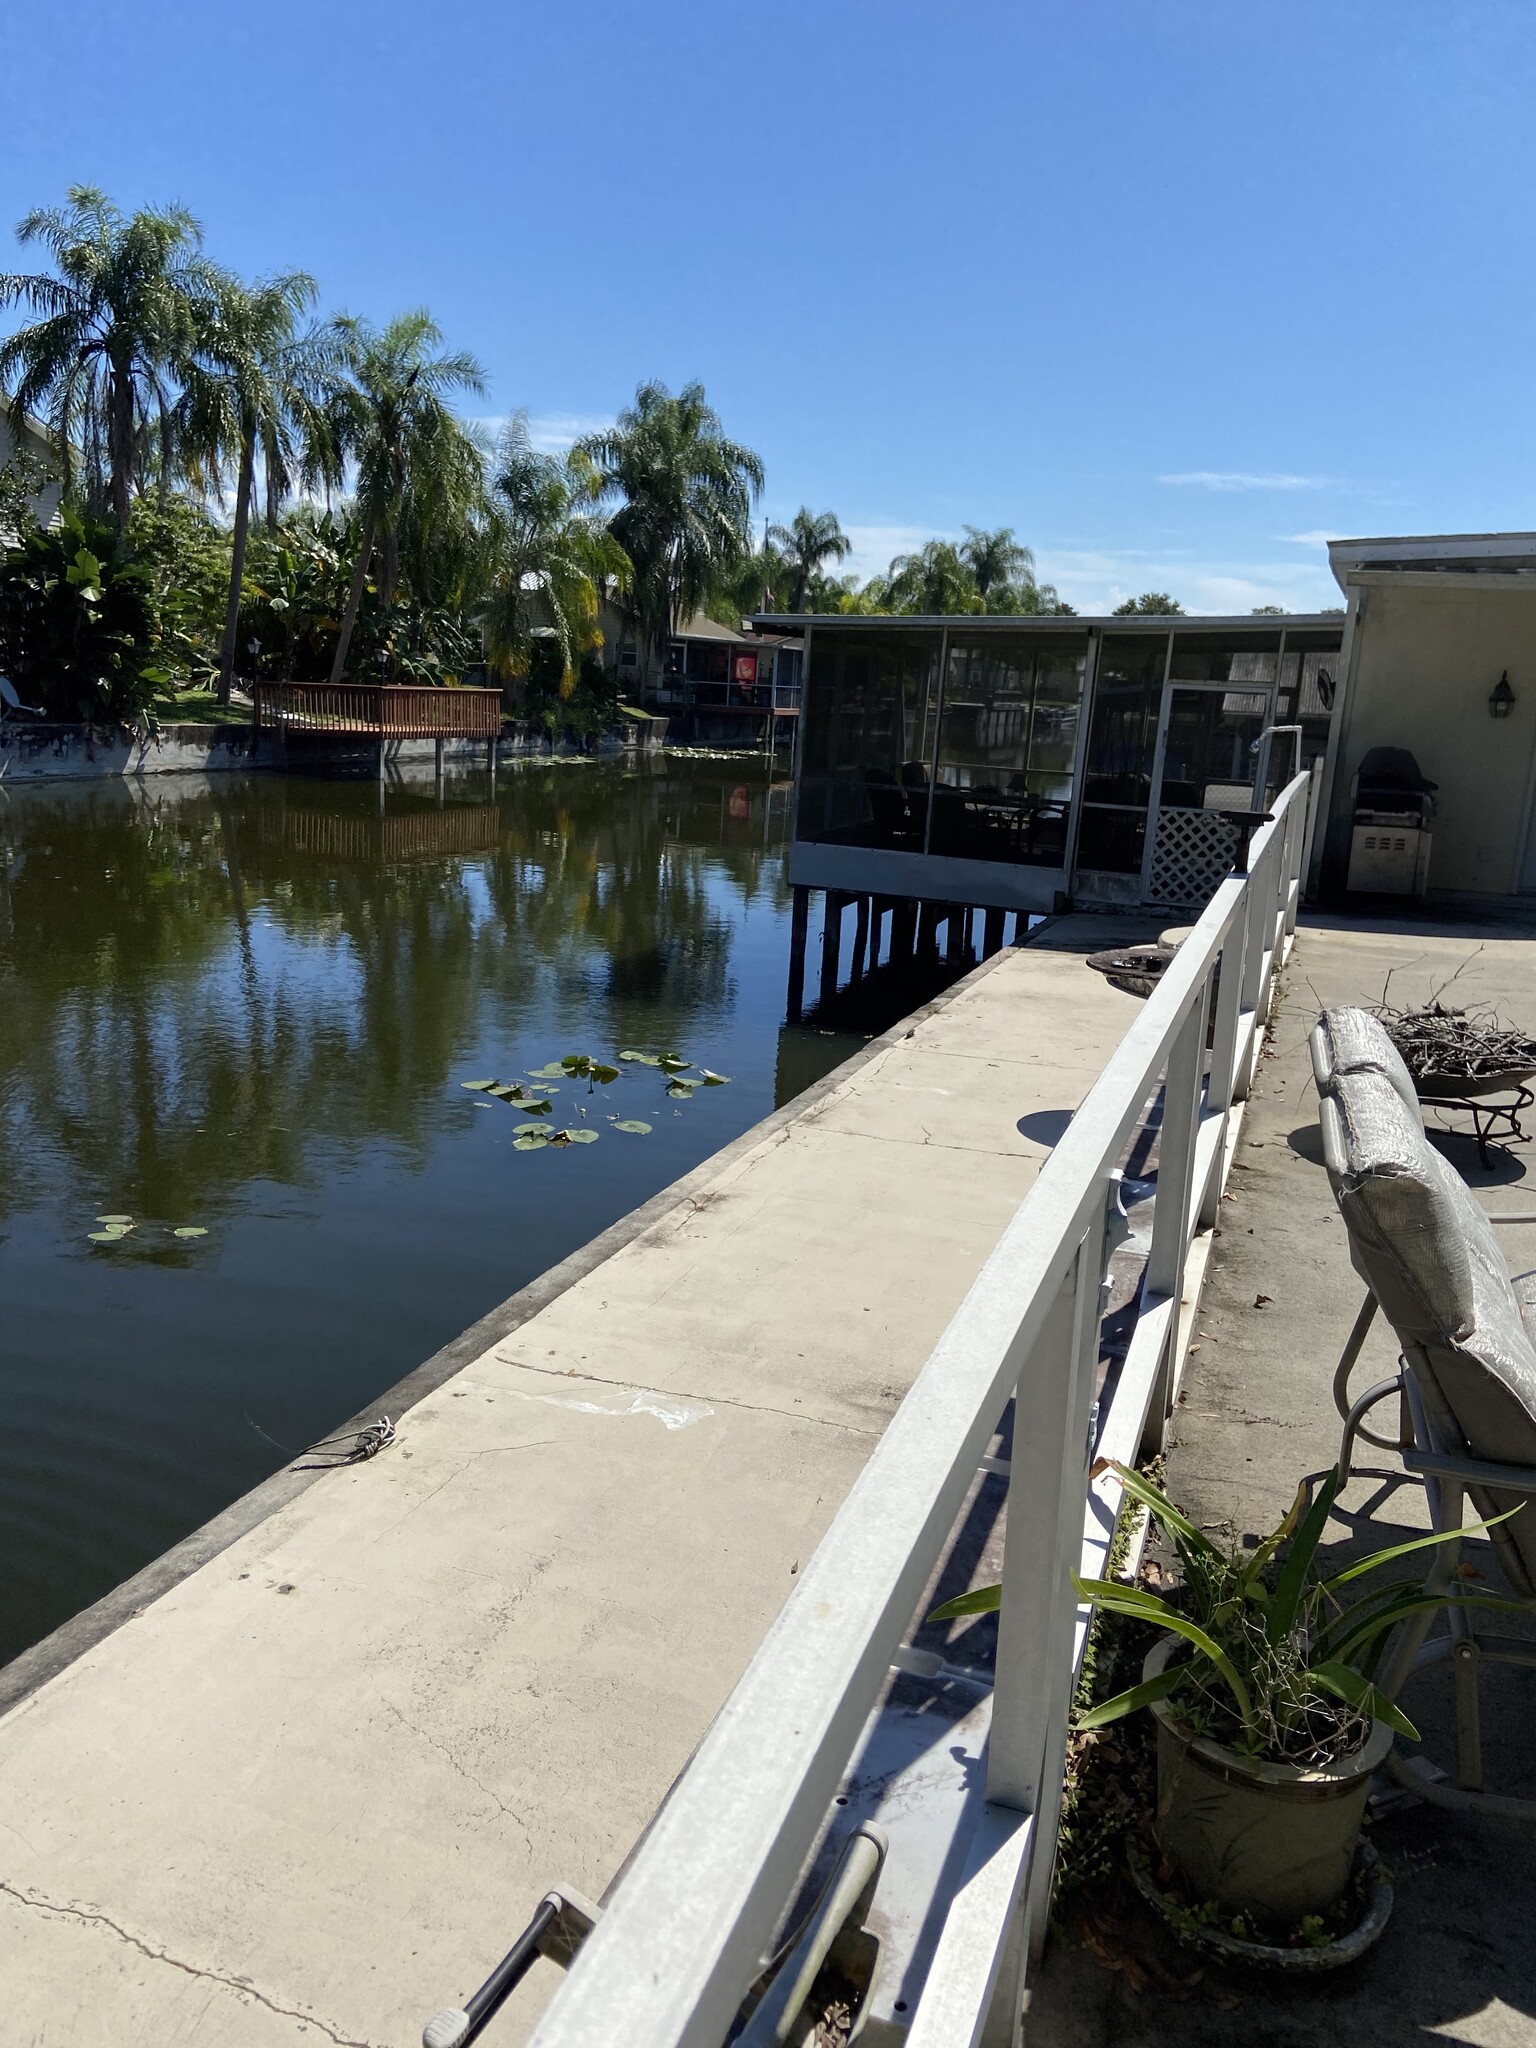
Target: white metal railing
689	1925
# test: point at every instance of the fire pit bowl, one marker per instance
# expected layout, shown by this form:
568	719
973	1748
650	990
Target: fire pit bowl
1136	969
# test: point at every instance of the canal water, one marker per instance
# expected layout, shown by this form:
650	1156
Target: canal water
246	1008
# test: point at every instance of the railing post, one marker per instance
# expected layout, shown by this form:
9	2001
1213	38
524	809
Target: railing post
1295	854
1038	1608
1254	919
1170	1207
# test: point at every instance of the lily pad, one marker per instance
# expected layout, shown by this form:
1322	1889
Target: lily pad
524	1130
576	1063
479	1084
644	1059
108	1236
671	1063
604	1074
712	1080
631	1123
509	1091
552	1072
682	1089
581	1137
530	1143
114	1219
190	1230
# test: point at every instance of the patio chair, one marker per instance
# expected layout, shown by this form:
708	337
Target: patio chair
1426	1250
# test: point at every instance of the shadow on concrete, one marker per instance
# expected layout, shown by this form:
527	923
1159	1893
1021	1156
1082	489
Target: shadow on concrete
1045	1126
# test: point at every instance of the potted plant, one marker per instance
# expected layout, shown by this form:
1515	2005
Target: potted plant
1263	1685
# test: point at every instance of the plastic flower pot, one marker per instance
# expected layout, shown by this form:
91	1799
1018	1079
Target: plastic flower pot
1272	1840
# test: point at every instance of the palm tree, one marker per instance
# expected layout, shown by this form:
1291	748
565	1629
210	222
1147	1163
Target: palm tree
254	385
115	326
553	558
809	542
934	581
996	558
685	495
417	465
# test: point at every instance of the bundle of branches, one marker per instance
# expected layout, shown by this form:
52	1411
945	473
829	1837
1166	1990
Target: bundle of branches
1441	1043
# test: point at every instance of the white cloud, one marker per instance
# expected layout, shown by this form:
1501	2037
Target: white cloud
875	546
1096	580
1249	480
1318	537
552	433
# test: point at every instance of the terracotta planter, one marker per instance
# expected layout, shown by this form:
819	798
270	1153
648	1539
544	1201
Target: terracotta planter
1273	1840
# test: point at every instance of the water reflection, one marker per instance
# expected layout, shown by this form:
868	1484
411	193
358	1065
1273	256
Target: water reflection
246	1006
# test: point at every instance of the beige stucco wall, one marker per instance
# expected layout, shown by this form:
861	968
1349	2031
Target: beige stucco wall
1426	659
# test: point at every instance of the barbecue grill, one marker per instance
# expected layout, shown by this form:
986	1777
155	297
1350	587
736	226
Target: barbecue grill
1394	808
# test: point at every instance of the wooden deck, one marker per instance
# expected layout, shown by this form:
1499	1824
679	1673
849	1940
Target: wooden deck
377	711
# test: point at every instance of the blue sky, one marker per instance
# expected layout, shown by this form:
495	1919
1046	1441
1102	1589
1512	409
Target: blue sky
1175	290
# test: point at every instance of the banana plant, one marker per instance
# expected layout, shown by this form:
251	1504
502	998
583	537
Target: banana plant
1275	1648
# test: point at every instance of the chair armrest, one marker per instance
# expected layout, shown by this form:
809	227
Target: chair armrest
1477	1471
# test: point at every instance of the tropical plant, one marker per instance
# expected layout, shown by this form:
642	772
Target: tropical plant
116	322
1282	1661
552	559
77	624
419	470
1151	604
683	495
185	552
809	542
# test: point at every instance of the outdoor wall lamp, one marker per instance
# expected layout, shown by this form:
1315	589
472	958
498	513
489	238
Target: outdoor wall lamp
1501	698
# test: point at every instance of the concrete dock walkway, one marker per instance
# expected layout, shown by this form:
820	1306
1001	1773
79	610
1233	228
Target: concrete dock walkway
309	1777
1457	1963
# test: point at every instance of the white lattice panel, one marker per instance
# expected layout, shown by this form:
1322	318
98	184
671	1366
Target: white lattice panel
1191	857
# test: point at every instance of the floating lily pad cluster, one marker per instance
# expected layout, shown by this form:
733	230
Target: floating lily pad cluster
680	1075
113	1229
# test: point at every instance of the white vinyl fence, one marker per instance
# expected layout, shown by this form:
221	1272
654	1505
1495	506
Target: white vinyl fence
688	1927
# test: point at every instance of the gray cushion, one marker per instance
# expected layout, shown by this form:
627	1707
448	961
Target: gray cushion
1351	1041
1424	1246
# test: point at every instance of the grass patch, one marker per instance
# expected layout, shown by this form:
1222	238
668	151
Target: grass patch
198	707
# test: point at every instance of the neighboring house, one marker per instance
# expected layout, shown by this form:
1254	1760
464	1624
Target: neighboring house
1026	763
32	438
718	686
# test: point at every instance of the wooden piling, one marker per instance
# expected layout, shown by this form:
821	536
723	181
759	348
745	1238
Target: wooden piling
992	926
860	935
831	942
799	921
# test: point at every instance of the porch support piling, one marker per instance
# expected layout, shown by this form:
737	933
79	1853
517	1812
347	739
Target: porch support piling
831	943
799	921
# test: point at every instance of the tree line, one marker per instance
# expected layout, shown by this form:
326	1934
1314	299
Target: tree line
251	488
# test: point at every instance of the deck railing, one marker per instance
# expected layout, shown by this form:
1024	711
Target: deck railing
687	1928
379	711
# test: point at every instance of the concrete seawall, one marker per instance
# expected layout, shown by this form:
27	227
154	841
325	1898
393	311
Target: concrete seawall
314	1768
79	753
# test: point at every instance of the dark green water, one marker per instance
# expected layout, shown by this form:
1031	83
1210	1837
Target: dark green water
246	1007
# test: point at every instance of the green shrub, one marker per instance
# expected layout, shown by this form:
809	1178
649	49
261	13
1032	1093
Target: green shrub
78	632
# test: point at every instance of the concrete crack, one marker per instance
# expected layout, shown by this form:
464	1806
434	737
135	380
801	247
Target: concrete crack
239	1985
468	1776
717	1400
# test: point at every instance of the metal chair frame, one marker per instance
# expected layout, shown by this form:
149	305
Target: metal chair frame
1445	1475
